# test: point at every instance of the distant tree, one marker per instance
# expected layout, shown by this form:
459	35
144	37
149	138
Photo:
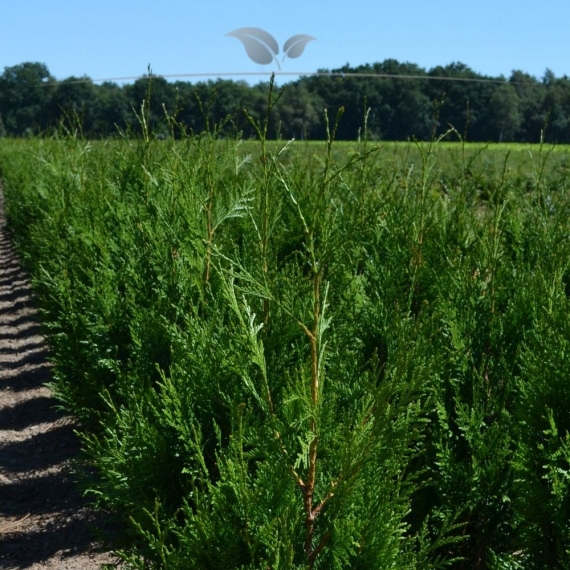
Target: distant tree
299	112
397	106
504	113
406	109
156	94
556	105
208	105
463	101
112	110
229	98
25	90
531	105
73	101
187	97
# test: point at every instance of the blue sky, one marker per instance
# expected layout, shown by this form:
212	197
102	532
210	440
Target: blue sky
116	38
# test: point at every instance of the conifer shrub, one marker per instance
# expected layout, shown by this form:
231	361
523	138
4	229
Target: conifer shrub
295	359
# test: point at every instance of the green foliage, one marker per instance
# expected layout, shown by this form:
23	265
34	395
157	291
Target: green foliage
289	358
405	102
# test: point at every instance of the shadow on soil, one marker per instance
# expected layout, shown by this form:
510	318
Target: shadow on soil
41	512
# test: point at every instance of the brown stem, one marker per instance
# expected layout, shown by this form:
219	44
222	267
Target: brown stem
296	476
309	521
270	401
265	314
320	546
210	235
322	504
314	367
207	270
313	335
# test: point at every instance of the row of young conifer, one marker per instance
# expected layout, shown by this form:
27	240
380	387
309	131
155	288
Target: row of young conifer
300	358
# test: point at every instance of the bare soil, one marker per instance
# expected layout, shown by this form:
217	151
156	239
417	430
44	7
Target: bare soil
44	521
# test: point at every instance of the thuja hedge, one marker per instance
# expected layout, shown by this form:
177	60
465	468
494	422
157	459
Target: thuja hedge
298	359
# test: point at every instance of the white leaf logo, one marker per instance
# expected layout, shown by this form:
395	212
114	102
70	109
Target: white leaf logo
262	47
295	45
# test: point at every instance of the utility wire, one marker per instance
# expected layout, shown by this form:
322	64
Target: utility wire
286	73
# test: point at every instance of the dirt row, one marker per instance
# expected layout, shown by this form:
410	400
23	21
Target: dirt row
44	521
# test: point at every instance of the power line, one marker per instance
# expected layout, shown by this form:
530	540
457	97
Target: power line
287	73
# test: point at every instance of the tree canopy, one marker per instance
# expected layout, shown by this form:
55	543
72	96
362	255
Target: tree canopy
405	101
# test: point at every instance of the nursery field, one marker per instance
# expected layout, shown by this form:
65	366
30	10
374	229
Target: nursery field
309	355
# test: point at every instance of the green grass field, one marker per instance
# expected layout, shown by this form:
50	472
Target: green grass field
309	355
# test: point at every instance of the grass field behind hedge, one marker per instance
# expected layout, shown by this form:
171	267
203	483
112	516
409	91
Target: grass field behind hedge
289	355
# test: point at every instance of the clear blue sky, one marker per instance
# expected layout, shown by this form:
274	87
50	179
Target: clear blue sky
115	38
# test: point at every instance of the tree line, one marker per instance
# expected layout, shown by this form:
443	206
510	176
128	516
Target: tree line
520	108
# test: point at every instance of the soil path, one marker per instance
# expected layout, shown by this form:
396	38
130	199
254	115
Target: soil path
44	522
